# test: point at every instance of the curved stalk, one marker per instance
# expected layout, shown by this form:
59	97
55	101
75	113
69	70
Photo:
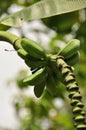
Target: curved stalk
10	38
74	94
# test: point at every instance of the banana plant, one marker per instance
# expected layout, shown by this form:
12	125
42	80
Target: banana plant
43	77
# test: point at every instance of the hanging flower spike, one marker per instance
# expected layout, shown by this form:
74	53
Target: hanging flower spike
74	94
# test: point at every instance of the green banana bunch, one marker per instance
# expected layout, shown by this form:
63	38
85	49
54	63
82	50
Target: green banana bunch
37	77
71	48
46	71
43	67
32	48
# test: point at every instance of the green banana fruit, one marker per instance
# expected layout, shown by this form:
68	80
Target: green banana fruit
37	77
22	53
32	48
73	59
29	60
34	63
51	83
70	48
39	88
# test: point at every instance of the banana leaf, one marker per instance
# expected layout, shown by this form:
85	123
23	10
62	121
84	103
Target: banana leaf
43	9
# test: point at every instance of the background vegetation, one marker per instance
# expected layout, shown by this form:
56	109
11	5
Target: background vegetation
50	113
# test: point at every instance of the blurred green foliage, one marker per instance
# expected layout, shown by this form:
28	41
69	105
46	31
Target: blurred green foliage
51	113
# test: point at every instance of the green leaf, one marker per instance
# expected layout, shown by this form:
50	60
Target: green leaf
42	9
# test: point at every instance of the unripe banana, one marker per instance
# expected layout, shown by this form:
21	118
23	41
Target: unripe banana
51	83
22	53
30	61
34	63
70	48
32	48
37	77
73	59
38	89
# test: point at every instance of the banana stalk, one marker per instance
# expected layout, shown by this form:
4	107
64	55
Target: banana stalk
10	38
74	94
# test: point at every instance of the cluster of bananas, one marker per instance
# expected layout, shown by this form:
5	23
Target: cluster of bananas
49	70
43	66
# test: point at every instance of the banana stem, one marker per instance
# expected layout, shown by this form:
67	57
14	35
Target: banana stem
9	37
74	94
